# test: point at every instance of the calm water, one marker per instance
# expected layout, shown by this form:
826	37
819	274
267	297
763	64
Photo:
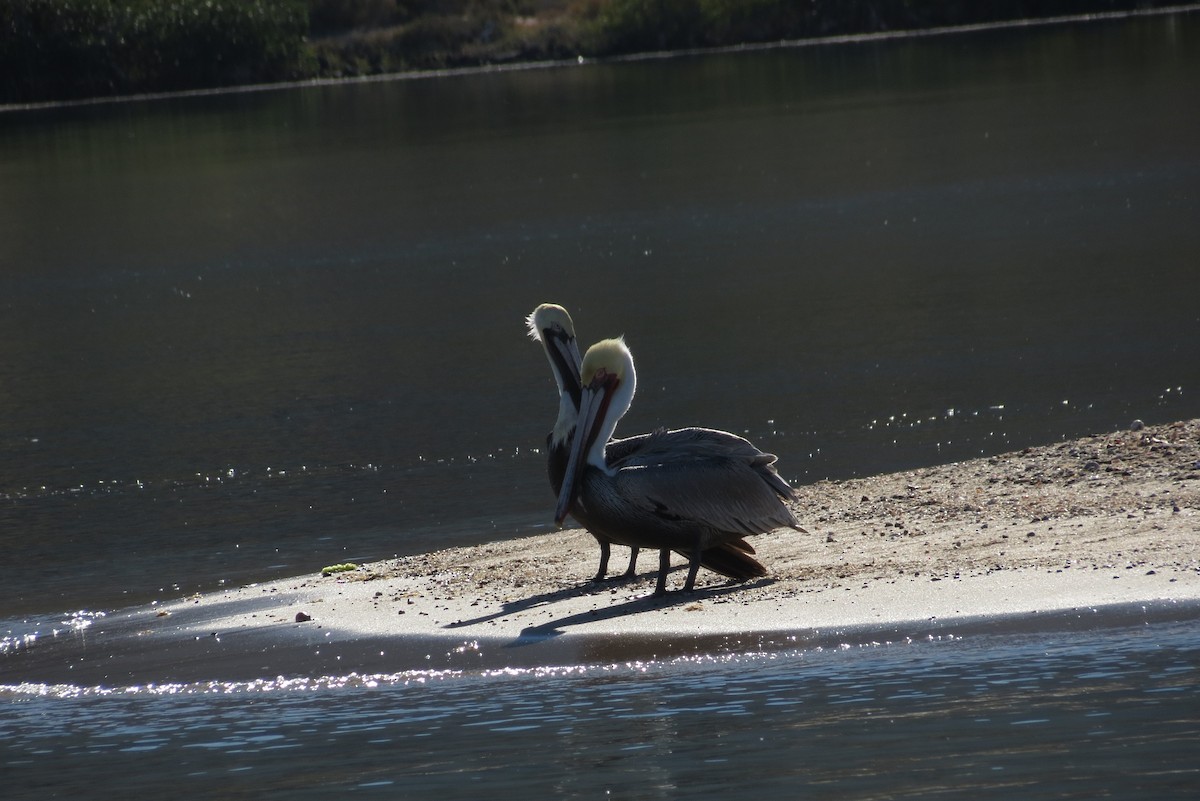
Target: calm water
248	336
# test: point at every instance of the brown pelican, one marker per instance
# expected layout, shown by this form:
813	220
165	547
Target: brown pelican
687	490
551	325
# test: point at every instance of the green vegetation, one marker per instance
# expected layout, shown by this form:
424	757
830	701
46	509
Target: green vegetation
62	49
66	49
342	568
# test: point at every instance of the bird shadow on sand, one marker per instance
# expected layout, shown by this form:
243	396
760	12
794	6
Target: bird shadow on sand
650	603
542	599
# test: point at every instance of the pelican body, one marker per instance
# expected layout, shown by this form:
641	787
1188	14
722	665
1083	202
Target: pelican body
688	490
552	326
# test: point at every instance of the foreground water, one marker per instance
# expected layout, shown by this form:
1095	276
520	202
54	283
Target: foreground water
1109	713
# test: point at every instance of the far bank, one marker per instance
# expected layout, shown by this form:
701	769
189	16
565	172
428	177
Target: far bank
51	51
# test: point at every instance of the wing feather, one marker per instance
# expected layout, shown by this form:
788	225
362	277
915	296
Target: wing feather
693	445
720	493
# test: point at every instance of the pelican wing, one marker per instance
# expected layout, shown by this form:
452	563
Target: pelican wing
719	493
689	445
618	450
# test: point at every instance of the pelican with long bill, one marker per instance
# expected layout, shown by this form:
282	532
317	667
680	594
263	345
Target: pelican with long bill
687	490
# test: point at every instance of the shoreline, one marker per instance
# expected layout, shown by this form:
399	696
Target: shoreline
1076	533
426	73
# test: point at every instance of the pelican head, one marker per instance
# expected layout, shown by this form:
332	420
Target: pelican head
608	382
550	325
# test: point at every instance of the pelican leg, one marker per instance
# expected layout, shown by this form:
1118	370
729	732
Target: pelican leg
693	566
631	571
605	550
664	567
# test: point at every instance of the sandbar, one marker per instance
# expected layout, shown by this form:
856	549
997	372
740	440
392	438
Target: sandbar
1072	534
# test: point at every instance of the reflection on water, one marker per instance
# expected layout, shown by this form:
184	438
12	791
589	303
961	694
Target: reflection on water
1108	713
253	335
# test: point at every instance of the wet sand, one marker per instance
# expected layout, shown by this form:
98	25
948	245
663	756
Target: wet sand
1065	535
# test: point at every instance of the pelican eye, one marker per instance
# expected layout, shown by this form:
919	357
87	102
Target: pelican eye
603	375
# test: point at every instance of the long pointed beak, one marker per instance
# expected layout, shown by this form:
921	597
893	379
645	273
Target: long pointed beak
564	354
593	403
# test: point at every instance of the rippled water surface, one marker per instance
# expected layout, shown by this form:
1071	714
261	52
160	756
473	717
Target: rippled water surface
1113	713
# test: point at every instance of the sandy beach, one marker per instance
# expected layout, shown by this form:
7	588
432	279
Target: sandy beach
1073	533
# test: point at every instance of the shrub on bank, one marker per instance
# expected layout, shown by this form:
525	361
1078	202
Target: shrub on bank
61	49
330	17
423	34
